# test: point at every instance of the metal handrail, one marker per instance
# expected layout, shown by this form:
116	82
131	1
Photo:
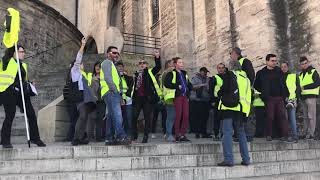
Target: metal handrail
140	44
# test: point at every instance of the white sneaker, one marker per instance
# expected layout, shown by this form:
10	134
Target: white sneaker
153	136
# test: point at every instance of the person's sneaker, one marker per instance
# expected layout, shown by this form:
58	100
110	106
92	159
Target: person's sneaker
75	142
269	138
184	139
292	140
245	163
38	142
145	139
109	143
178	139
84	141
197	136
206	136
283	139
216	138
7	146
124	141
225	164
153	136
170	139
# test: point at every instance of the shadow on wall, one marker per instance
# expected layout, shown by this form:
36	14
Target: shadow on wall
293	36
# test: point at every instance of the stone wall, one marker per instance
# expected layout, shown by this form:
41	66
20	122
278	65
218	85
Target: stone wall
66	8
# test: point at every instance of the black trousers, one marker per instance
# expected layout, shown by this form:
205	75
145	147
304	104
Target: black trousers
10	99
156	110
199	114
260	113
216	121
141	103
73	116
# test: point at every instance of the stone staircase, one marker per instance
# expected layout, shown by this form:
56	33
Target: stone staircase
160	161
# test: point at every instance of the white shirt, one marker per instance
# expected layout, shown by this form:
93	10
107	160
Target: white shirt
75	71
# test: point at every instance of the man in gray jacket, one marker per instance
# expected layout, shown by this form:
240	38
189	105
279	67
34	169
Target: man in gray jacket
111	90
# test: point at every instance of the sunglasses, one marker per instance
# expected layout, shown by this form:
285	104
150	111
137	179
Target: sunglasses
142	62
115	53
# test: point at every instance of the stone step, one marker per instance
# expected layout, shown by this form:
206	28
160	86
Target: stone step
294	176
146	162
98	150
189	173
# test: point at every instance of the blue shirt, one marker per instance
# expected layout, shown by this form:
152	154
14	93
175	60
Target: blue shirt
183	84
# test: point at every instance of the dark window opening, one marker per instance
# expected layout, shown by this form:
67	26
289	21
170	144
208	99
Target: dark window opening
155	11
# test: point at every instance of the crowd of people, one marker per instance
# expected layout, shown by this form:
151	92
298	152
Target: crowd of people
105	104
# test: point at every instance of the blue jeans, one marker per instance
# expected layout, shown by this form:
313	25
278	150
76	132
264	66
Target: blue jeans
171	115
114	120
127	118
227	130
292	121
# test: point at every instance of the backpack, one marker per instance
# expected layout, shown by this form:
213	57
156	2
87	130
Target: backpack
230	96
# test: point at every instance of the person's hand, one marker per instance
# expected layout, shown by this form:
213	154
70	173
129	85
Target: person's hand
156	53
180	87
83	41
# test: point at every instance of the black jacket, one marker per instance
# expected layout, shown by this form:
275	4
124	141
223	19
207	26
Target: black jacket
149	89
129	81
212	85
316	81
248	68
168	83
271	83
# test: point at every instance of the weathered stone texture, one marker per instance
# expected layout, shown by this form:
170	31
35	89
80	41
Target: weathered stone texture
66	8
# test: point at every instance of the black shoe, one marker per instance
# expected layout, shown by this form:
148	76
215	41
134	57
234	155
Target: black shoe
123	141
225	164
216	138
292	140
245	163
7	146
38	142
145	139
184	139
75	142
178	139
109	143
197	136
84	141
206	136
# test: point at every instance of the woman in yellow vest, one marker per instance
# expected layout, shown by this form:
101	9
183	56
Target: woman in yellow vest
293	89
10	95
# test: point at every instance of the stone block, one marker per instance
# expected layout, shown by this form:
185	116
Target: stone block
58	152
40	166
119	163
90	151
291	167
239	171
10	167
266	169
209	173
140	175
115	175
81	165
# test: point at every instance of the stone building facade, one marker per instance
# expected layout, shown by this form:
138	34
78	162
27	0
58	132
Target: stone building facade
203	31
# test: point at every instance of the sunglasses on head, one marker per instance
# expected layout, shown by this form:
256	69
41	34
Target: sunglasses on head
142	62
115	53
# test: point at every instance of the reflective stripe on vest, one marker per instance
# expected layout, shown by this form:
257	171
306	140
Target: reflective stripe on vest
291	85
25	67
257	102
1	66
115	79
219	83
8	76
241	61
155	83
244	93
89	78
306	80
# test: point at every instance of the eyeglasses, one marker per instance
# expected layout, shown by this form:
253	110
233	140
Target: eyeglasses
116	53
143	62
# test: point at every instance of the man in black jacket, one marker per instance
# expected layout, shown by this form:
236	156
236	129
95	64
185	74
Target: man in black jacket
144	95
270	82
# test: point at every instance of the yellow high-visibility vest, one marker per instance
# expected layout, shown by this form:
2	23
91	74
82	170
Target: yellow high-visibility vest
115	78
257	102
155	83
169	94
244	93
10	38
306	80
219	83
291	83
89	78
8	76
